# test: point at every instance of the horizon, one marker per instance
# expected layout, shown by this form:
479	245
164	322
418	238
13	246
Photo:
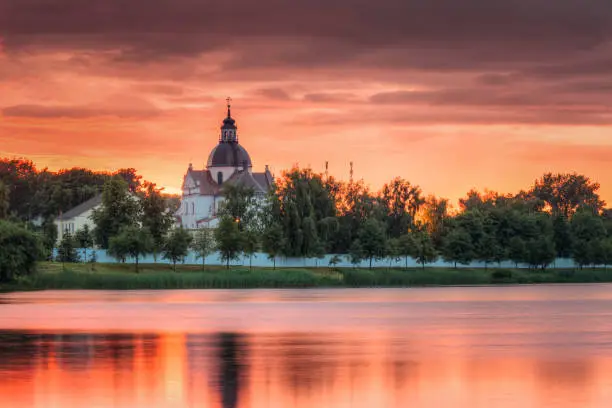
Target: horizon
449	98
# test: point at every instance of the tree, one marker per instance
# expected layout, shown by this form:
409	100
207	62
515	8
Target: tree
239	204
203	245
436	218
540	252
19	251
372	240
406	247
402	201
250	245
333	261
84	240
273	242
425	250
67	252
457	247
4	201
564	193
562	236
228	239
119	210
489	250
176	247
356	253
517	250
131	241
155	215
48	236
587	230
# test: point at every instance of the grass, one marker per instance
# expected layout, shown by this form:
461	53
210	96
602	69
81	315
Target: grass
160	276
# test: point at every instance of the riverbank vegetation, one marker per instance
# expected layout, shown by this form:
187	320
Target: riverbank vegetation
308	215
159	276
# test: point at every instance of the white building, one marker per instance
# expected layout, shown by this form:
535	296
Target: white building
75	219
228	162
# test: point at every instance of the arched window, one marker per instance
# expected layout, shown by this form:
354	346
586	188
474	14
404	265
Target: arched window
220	178
193	208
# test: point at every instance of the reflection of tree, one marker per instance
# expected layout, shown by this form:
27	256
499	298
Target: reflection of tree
17	350
232	367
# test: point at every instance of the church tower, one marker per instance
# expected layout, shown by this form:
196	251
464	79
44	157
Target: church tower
229	130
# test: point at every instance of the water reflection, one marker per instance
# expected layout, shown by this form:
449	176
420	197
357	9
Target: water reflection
557	360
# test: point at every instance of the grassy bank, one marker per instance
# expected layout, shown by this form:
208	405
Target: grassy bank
79	276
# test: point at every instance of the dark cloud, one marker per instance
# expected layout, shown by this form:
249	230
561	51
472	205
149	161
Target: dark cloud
332	30
329	97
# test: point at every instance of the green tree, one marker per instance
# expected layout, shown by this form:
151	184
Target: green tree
372	240
48	237
402	201
406	247
19	251
119	210
489	250
273	242
540	252
67	252
84	240
562	236
517	250
356	253
457	247
239	204
228	239
176	246
203	244
564	193
587	230
131	241
155	216
250	245
425	250
4	201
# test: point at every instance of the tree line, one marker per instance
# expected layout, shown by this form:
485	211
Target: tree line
308	214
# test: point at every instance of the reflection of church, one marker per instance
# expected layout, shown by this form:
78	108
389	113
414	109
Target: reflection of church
228	162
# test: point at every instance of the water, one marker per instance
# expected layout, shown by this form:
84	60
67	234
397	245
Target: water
520	346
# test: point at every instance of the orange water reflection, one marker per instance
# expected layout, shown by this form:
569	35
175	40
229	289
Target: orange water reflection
430	354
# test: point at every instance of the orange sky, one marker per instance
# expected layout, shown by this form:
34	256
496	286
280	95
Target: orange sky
449	98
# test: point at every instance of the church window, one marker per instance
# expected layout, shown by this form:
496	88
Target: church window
220	178
193	208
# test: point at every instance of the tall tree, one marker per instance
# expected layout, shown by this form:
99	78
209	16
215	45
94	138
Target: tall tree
372	240
436	218
407	247
273	242
203	244
120	209
402	201
84	240
4	201
155	215
228	239
458	247
564	193
176	246
19	251
425	250
66	251
131	241
250	245
562	236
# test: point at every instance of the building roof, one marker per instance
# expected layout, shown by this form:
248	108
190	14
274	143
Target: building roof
228	154
204	181
81	208
259	182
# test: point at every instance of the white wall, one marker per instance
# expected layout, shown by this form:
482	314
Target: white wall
197	207
75	224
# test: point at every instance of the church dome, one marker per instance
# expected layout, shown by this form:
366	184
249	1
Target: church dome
229	155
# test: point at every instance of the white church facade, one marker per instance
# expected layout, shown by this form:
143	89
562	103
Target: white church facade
228	162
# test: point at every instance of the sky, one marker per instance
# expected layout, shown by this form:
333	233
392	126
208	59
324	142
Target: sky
450	95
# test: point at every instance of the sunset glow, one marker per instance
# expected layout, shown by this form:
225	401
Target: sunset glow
447	97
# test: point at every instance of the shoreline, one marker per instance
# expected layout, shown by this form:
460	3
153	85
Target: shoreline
51	276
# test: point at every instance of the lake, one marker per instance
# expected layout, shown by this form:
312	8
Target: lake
510	346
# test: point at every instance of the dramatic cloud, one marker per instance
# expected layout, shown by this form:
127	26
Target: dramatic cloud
311	81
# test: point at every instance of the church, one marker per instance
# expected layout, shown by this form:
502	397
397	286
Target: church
228	162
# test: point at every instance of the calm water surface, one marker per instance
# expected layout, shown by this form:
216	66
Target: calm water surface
536	346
